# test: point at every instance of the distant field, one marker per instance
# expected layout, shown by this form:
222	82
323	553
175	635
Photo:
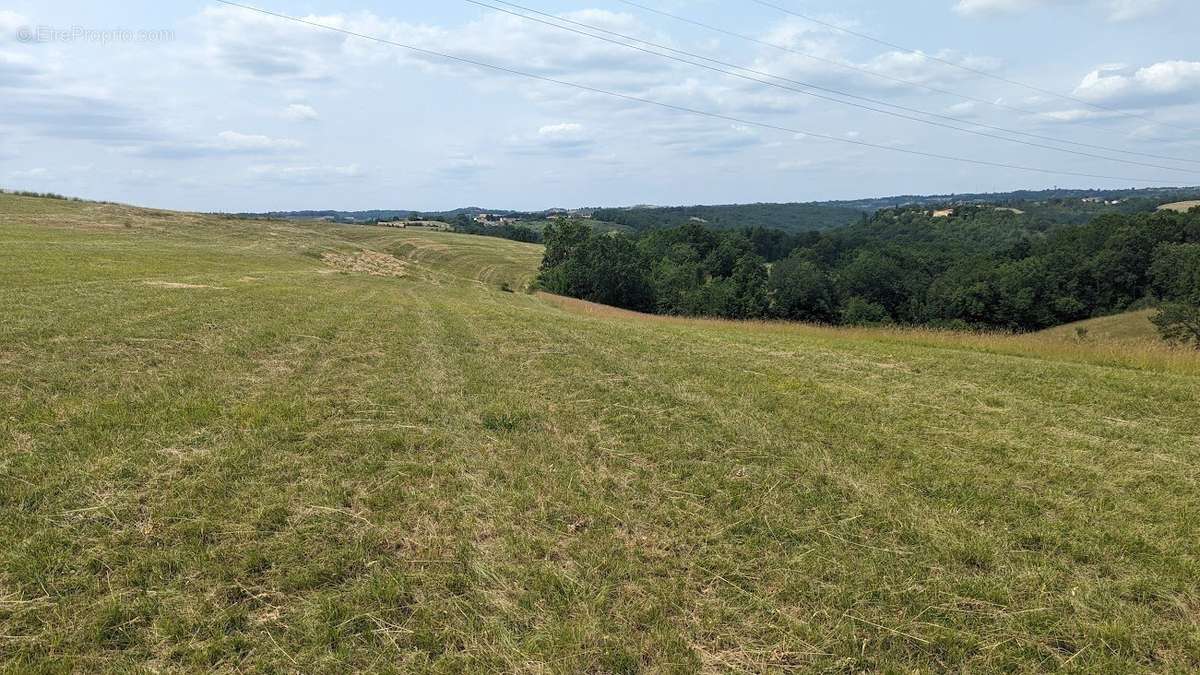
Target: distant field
269	446
1182	207
1132	328
431	224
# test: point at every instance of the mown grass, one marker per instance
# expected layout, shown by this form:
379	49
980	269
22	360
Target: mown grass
220	450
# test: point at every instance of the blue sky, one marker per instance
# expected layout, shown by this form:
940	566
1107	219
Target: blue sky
196	105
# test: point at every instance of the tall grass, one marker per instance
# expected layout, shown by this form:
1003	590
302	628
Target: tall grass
1143	353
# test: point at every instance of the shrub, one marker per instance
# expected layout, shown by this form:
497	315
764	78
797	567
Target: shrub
1179	323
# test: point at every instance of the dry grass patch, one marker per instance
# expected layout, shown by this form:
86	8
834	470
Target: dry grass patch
177	284
368	262
1181	207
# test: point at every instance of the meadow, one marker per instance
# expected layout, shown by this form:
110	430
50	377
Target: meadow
238	445
1182	207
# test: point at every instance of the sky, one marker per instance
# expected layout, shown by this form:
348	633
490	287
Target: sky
208	107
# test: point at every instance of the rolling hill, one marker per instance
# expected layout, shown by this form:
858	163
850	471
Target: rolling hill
1182	207
229	444
1041	208
1130	328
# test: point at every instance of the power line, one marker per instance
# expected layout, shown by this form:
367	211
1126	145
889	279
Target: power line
833	62
825	89
968	69
680	108
891	78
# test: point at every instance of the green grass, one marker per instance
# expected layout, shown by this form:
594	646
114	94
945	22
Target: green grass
221	450
1130	329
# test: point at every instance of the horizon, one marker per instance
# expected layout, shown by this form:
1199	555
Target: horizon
1183	189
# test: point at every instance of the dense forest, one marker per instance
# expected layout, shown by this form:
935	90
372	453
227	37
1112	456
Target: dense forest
514	231
977	268
786	217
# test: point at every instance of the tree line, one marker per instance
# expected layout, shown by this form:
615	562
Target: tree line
978	268
515	232
787	217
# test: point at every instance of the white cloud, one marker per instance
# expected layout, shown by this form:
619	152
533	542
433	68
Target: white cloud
18	69
709	141
1128	10
567	139
263	47
832	49
224	143
306	174
1165	83
10	22
461	166
977	7
1157	133
253	45
25	174
1114	10
561	130
139	177
964	110
57	113
299	112
918	67
1074	115
238	142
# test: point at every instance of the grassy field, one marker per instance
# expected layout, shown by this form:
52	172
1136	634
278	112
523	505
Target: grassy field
242	446
1182	207
1132	329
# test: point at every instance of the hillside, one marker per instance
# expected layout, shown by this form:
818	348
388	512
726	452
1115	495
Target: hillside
1146	195
1182	207
1043	209
229	444
785	217
1130	329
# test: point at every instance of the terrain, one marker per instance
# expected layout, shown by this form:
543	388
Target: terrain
1182	207
1044	207
236	444
1130	329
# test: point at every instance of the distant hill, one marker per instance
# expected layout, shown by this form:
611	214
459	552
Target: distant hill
786	217
1182	207
368	216
1041	208
1126	328
1020	197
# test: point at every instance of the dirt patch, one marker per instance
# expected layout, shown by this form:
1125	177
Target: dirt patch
22	442
368	262
175	284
